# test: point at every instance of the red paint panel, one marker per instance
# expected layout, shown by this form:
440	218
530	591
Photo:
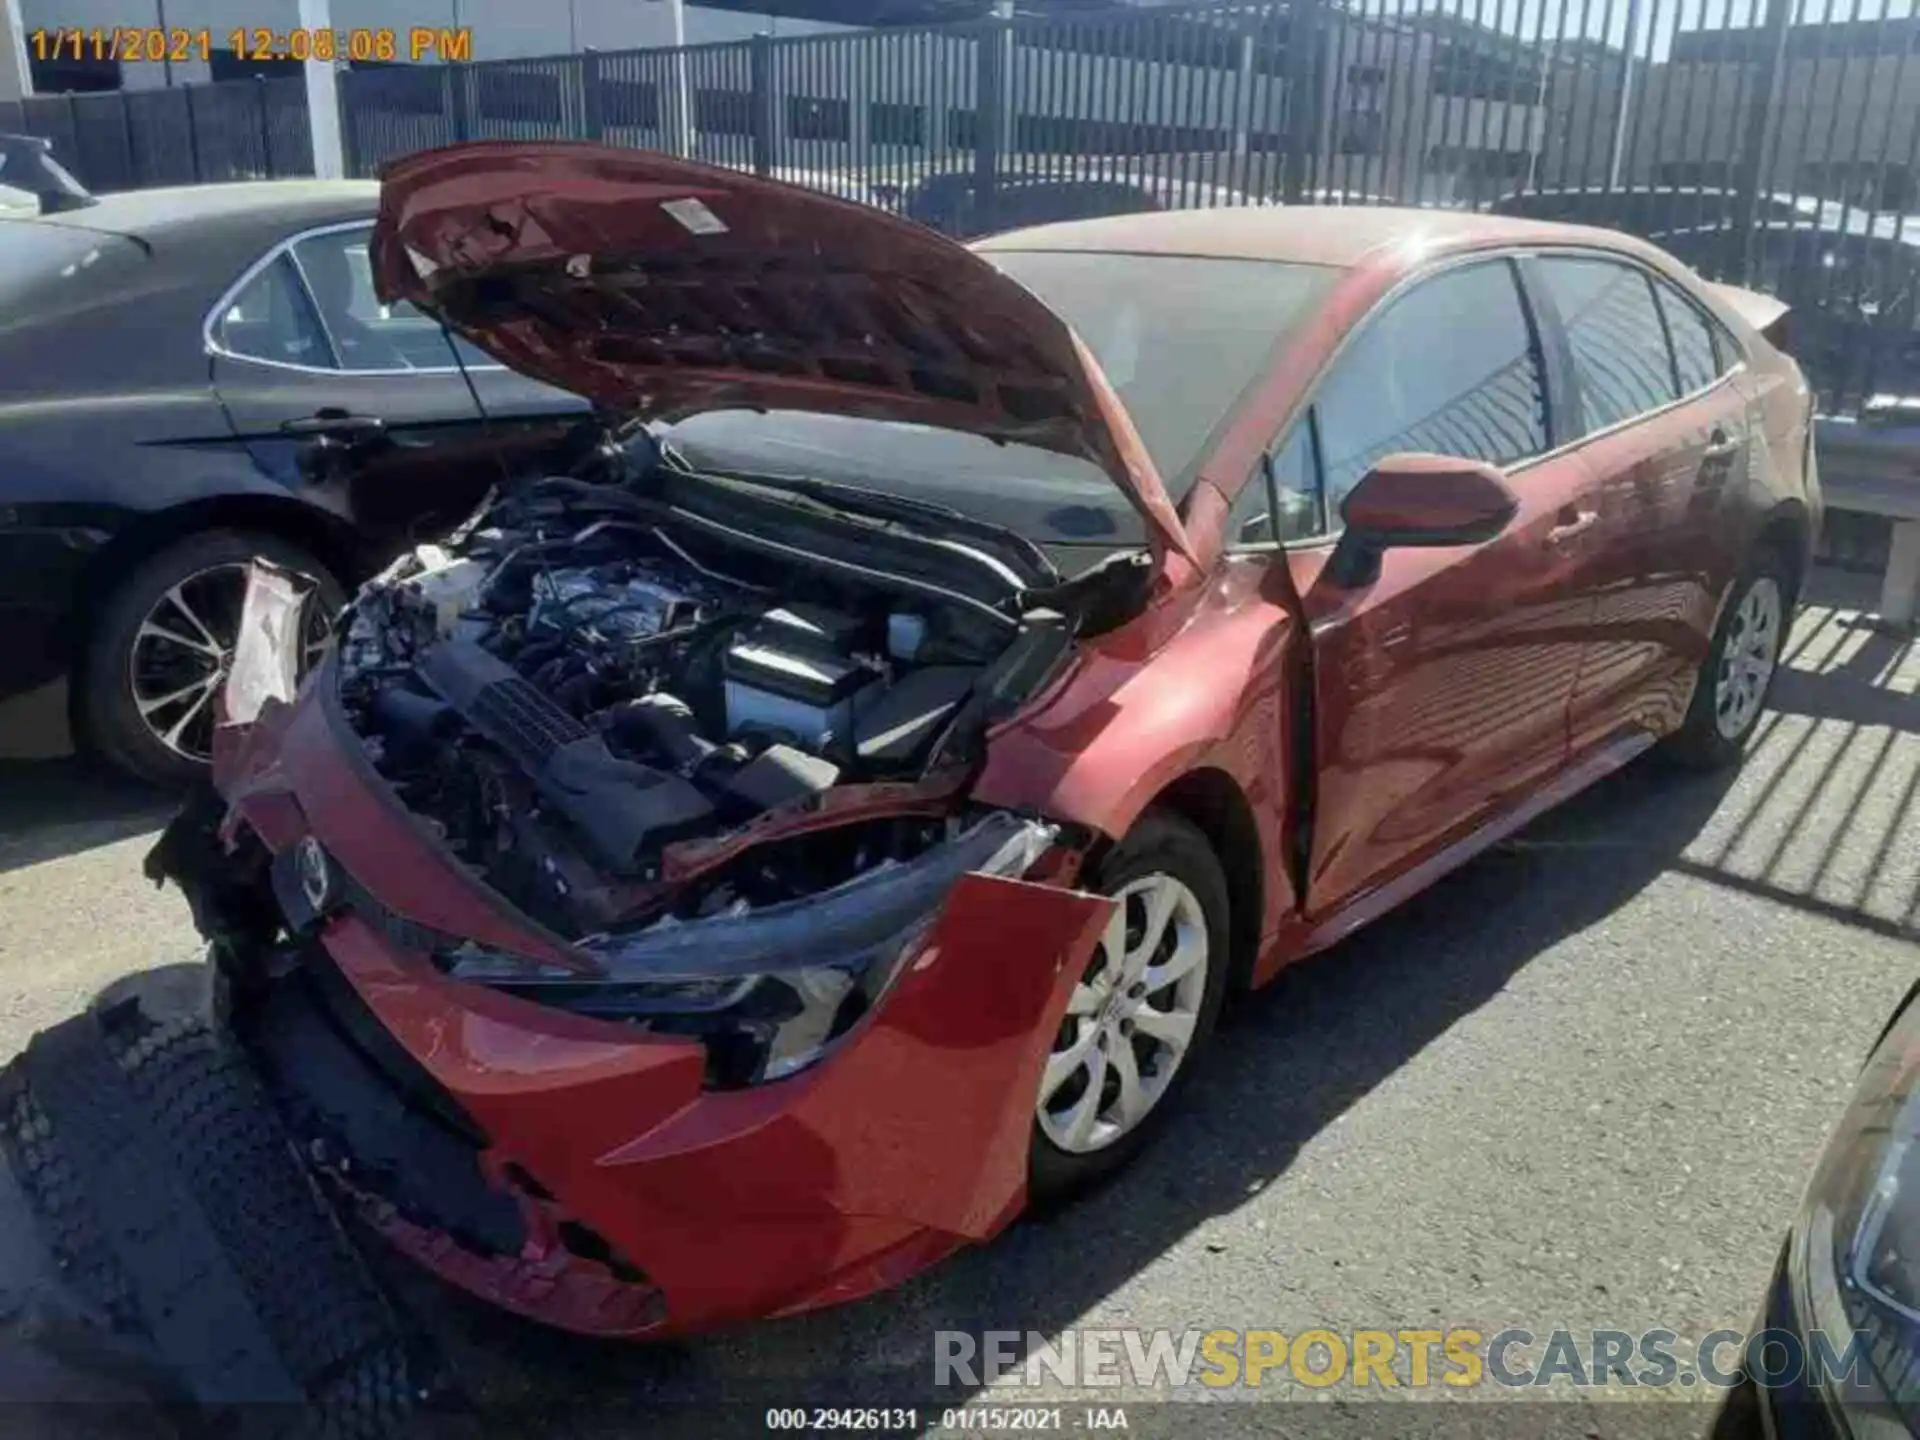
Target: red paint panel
907	1141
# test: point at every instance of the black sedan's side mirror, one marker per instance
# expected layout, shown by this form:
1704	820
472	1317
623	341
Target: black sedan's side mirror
1423	500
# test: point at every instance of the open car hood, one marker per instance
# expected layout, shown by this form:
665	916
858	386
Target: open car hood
662	287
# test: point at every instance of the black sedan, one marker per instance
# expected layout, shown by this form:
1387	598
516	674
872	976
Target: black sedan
190	378
1838	1344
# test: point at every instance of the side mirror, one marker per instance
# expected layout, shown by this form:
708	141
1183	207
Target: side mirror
1424	500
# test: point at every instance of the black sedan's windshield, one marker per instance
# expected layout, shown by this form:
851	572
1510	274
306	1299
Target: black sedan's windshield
1180	339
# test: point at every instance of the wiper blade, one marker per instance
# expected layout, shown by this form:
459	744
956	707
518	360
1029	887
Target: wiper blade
834	492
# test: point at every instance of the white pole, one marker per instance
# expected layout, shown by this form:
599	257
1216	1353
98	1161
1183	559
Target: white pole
682	96
1617	152
16	76
1541	120
323	96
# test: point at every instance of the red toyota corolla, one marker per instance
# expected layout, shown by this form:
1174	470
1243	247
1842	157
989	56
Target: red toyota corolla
725	877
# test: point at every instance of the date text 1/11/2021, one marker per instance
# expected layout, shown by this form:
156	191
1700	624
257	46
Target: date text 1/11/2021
252	44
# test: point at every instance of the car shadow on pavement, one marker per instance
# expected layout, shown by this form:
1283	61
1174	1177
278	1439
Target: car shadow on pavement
52	808
1290	1060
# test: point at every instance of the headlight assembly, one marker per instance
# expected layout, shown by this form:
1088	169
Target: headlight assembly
770	991
1854	1260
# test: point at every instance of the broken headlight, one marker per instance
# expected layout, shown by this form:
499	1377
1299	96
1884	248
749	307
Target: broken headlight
770	991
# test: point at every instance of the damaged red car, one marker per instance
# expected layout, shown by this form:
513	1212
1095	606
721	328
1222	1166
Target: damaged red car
757	856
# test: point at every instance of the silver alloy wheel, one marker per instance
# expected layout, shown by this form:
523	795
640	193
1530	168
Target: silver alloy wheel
183	649
1747	661
1131	1019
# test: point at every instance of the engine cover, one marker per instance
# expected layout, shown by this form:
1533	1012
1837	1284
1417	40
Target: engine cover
623	810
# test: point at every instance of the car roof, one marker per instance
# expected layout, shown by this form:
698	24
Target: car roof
1335	235
148	214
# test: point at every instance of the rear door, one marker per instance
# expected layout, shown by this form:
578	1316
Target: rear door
1441	689
301	353
304	353
1662	434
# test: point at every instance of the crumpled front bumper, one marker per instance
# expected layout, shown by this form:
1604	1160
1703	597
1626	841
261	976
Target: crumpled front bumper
905	1142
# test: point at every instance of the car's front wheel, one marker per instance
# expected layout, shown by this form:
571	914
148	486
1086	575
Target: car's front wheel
163	643
1142	1011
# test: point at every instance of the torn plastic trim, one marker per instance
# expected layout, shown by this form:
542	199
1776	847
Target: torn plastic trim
852	918
266	655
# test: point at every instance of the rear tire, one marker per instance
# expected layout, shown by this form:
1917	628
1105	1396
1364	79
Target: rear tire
128	728
1730	694
1126	1010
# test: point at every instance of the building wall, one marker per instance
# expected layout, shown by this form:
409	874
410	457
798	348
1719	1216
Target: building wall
502	29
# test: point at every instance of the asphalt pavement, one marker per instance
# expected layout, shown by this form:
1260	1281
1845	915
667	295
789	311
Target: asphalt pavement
1578	1084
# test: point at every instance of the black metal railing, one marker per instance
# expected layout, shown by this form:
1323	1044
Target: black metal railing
1774	143
132	139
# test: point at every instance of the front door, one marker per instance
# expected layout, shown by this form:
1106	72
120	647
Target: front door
1440	688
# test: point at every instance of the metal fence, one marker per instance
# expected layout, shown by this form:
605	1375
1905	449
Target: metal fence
131	139
1769	142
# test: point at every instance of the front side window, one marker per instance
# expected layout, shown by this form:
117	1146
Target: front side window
1621	363
1286	507
1449	368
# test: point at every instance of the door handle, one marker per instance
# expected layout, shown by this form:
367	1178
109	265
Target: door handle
1720	445
1567	529
342	423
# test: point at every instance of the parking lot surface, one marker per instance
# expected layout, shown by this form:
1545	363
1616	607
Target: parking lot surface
1578	1084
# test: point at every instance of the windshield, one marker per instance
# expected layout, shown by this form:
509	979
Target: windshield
1180	339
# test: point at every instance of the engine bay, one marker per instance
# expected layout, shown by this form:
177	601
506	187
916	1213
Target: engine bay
581	678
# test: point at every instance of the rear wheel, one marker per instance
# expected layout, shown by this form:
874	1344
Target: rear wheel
1738	673
1142	1012
164	642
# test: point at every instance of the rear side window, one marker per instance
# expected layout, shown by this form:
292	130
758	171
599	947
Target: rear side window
1620	359
1694	361
1450	367
367	335
273	319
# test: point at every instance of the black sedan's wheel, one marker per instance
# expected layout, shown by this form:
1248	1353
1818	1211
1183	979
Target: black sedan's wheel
1141	1013
164	642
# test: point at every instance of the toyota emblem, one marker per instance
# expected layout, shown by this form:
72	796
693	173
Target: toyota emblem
316	878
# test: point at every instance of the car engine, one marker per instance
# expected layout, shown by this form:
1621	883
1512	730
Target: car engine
562	690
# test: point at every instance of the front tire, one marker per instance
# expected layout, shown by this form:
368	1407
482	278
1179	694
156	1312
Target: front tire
162	643
1142	1013
1731	692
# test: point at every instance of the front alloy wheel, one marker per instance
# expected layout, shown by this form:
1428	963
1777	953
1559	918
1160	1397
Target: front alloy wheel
1131	1019
163	641
1142	1011
183	650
